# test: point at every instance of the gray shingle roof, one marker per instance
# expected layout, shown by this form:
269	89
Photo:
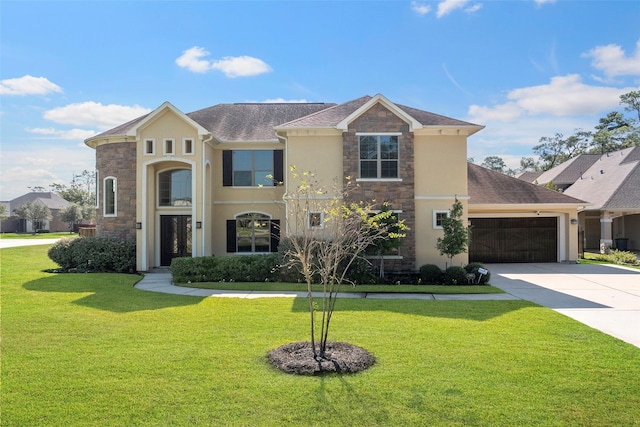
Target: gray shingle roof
490	187
251	122
612	182
50	200
568	172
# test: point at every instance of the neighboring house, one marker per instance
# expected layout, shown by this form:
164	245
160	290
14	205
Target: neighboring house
55	203
610	183
202	183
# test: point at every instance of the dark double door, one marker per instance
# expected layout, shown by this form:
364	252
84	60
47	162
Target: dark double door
175	237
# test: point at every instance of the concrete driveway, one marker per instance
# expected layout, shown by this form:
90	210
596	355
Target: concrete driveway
12	243
604	297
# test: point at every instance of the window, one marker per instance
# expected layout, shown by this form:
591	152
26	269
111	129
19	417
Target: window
149	147
109	192
252	233
438	217
315	220
379	156
187	146
174	188
252	168
169	146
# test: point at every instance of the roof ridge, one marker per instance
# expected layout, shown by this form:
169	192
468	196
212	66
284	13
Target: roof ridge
334	106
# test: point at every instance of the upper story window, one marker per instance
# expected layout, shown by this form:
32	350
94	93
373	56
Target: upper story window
379	156
110	199
169	146
315	220
149	146
252	168
187	146
174	188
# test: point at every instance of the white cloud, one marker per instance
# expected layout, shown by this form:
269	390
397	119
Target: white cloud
563	96
447	6
28	85
231	66
94	114
613	61
24	168
420	8
70	134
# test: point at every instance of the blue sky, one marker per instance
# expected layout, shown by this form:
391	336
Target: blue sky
523	68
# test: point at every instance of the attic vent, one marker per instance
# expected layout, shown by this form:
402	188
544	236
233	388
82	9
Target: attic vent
601	172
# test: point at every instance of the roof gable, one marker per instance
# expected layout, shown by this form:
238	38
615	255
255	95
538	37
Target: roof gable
379	99
166	106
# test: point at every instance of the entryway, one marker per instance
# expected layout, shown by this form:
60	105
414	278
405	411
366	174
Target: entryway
175	237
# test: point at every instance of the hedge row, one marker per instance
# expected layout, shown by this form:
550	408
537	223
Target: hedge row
432	274
94	254
249	268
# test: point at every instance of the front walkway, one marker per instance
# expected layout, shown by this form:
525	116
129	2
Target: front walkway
160	281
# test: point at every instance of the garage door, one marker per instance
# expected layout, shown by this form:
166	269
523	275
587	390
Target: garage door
514	240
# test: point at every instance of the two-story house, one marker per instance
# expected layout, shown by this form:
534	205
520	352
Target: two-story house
212	182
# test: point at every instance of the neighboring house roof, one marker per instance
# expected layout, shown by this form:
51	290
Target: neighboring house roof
258	122
50	200
568	172
487	187
529	176
612	181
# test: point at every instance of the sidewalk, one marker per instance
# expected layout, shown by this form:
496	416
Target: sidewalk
160	281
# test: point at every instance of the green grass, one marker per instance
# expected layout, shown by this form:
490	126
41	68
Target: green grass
37	236
300	287
90	350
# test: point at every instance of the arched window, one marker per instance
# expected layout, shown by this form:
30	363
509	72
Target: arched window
175	188
252	233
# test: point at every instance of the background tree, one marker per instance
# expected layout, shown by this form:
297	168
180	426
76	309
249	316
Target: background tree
456	235
34	211
324	249
497	164
631	102
529	164
81	191
72	214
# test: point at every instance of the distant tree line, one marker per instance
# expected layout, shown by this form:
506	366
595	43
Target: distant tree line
613	132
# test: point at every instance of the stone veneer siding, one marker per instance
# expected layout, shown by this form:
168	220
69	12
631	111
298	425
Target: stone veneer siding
400	195
118	160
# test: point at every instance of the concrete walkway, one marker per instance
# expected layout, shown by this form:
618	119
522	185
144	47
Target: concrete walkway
12	243
160	281
605	297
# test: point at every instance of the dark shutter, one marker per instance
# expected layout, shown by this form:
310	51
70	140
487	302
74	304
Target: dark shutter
227	168
278	167
275	234
231	235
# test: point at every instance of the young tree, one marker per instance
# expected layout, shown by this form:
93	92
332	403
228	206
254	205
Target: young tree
327	235
456	236
72	214
33	211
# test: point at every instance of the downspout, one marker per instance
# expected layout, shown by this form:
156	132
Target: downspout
205	224
286	181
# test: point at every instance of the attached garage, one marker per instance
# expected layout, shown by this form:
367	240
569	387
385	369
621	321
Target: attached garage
529	239
516	221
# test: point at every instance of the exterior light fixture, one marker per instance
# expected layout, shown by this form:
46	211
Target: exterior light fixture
574	221
138	226
198	224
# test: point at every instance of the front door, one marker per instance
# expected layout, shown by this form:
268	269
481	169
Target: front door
175	237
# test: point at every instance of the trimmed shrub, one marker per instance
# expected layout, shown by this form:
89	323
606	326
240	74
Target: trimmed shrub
623	257
455	276
94	254
248	268
472	268
431	274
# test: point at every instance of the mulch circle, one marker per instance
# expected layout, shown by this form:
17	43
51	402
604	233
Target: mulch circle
341	357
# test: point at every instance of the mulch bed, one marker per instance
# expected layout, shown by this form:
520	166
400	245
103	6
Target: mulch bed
340	357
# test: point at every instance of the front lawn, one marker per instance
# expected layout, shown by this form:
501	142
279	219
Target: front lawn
90	350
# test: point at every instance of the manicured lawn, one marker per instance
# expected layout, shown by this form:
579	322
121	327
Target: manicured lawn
90	350
37	236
